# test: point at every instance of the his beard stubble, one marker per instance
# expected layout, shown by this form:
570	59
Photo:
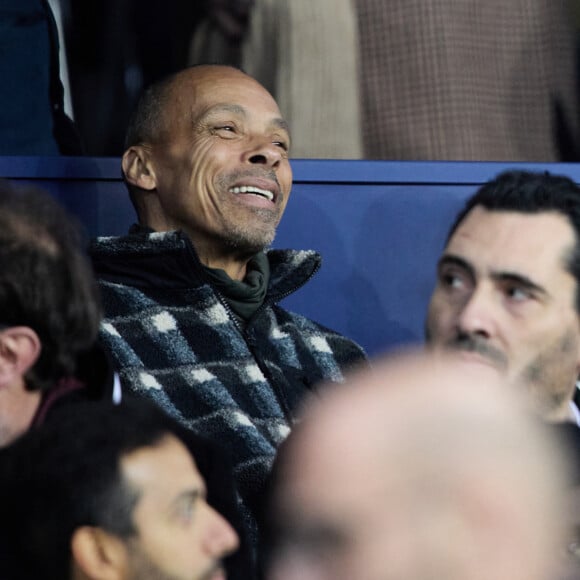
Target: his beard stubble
255	231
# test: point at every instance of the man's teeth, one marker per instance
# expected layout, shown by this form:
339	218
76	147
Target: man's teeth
251	189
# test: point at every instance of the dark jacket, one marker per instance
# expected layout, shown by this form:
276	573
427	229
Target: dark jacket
174	338
94	381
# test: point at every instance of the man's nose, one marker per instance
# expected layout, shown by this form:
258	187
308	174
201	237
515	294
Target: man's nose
479	313
221	539
264	152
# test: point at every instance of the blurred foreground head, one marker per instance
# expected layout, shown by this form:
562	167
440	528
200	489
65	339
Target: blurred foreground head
108	492
419	469
49	304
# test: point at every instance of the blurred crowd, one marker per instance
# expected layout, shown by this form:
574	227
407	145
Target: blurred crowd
163	416
404	79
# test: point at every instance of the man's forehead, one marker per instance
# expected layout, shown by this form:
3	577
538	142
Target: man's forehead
538	240
162	467
378	422
482	217
213	85
382	414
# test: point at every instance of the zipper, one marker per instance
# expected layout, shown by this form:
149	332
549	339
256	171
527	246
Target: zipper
288	415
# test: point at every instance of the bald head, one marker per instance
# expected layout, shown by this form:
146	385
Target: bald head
208	154
173	96
418	469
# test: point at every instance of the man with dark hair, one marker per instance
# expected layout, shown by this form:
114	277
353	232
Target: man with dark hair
507	292
49	313
191	295
108	491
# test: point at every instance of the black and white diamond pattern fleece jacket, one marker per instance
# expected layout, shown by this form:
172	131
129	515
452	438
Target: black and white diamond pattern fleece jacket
174	339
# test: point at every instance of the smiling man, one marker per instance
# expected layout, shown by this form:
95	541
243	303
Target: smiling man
507	290
190	296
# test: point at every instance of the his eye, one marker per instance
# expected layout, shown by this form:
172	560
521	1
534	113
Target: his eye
518	294
282	144
452	280
185	511
225	129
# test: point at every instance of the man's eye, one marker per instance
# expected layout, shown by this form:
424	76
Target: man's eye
185	512
282	144
451	280
185	515
225	131
518	294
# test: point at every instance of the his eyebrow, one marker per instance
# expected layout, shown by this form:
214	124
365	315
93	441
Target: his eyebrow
277	123
498	275
280	123
226	108
453	260
188	496
519	280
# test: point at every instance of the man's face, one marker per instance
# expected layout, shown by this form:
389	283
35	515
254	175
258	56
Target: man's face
179	536
333	513
221	167
404	474
505	298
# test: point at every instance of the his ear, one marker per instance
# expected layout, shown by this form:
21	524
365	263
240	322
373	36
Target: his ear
19	349
578	352
97	555
137	168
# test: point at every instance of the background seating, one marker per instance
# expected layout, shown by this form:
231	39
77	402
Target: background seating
379	225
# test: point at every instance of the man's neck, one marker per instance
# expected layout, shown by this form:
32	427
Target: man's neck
17	409
234	265
211	252
234	269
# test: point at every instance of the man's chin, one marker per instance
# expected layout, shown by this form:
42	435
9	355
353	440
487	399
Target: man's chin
249	244
217	572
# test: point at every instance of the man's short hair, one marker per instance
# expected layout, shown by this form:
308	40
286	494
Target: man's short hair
46	282
67	474
532	193
146	121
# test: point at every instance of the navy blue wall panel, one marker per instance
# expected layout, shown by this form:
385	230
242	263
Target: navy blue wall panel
379	225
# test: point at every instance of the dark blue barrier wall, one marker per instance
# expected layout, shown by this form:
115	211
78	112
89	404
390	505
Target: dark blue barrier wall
380	227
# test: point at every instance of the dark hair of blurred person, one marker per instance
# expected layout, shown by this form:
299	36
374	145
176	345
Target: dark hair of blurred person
108	491
49	311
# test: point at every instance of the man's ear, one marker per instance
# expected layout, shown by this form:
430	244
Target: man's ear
97	555
578	350
137	168
19	349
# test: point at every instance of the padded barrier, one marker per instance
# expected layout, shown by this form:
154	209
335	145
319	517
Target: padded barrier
379	225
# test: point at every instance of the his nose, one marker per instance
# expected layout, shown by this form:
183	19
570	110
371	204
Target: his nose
478	314
264	153
221	539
